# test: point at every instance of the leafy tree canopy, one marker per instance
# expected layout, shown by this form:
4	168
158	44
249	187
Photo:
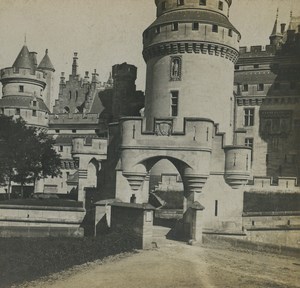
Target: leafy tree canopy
26	154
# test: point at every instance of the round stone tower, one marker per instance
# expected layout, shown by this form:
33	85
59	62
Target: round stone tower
22	90
190	51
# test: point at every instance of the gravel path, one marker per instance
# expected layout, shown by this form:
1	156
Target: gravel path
179	265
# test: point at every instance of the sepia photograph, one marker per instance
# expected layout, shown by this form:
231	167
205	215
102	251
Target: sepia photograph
150	143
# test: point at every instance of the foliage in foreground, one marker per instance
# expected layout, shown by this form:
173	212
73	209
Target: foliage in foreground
26	259
26	154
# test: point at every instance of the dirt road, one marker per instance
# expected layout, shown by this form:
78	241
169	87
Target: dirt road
180	265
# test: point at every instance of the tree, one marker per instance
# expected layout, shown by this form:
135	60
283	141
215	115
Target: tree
26	153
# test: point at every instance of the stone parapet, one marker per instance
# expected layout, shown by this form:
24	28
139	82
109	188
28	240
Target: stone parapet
94	147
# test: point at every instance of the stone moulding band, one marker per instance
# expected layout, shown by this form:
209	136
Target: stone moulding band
169	148
197	47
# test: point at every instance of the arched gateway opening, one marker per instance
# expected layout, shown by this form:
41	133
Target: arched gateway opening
166	193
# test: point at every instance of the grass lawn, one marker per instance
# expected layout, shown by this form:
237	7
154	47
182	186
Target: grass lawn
25	259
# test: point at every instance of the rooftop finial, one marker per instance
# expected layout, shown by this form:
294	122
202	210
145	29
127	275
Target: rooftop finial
46	52
25	39
277	13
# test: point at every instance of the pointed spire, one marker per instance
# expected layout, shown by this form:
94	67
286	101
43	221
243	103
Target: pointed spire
74	65
275	28
46	63
291	17
23	60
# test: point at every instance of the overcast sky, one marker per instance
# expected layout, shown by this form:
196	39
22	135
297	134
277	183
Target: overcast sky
106	32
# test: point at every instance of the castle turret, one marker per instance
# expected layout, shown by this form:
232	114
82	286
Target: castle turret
124	76
22	90
47	67
190	51
276	35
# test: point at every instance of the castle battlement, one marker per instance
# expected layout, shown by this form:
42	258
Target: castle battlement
267	184
74	118
247	51
94	146
26	73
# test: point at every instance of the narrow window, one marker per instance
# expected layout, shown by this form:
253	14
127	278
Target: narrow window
267	159
157	30
74	131
237	67
34	113
293	85
175	26
253	223
21	88
34	103
2	110
249	117
18	111
221	5
260	87
70	95
245	87
57	131
61	148
215	28
249	142
76	95
216	208
180	2
230	32
195	26
255	66
163	5
202	2
174	103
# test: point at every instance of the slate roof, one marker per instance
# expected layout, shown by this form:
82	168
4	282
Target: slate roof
23	60
46	63
194	16
96	106
23	102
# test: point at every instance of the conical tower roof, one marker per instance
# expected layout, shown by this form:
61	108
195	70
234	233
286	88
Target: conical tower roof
275	31
46	63
23	60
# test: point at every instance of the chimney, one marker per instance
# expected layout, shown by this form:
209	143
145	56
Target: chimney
282	27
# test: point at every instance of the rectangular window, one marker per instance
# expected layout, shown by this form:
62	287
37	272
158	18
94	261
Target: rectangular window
245	87
174	103
260	87
180	2
34	113
216	208
202	2
215	28
34	103
195	26
220	5
277	85
74	131
255	66
163	5
230	32
18	111
61	148
175	26
21	88
157	30
2	111
293	85
249	117
249	142
57	131
237	67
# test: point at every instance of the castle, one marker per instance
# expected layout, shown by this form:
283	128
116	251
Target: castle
233	145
